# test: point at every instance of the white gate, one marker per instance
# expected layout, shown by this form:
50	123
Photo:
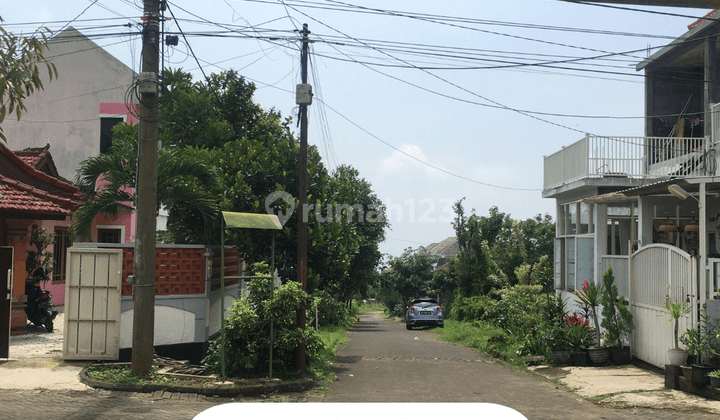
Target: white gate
657	271
92	304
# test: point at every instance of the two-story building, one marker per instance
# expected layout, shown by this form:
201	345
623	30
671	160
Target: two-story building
649	206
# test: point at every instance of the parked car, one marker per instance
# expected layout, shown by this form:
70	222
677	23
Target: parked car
424	311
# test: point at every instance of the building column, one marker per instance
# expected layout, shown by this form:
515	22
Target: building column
710	89
645	221
601	226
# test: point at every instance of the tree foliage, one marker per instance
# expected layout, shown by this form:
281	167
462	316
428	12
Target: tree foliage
182	181
253	157
20	58
409	276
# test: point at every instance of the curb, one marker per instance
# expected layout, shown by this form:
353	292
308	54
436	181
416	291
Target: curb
227	392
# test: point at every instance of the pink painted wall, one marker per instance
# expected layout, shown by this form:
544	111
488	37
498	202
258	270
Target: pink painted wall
131	110
57	290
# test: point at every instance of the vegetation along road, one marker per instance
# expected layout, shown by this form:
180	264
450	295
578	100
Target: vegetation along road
384	362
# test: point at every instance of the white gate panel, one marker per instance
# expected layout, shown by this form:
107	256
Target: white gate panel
659	272
92	304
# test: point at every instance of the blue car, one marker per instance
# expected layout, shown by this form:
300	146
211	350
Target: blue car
424	311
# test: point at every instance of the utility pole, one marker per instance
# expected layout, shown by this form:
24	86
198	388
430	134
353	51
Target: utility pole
303	98
146	188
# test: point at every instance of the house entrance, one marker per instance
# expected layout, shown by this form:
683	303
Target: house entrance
6	265
659	273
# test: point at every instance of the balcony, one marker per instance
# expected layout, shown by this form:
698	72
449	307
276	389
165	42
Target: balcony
636	158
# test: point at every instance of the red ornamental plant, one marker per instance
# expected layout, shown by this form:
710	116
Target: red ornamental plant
590	296
576	319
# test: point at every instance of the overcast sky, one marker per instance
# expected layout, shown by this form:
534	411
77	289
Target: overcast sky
431	101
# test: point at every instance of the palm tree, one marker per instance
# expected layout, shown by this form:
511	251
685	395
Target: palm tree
182	181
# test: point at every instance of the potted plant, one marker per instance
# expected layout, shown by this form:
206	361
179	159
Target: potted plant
700	343
589	296
554	320
617	320
675	310
714	378
579	339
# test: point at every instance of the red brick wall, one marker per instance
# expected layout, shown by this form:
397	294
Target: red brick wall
182	271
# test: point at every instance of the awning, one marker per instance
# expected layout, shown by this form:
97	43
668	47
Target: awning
251	220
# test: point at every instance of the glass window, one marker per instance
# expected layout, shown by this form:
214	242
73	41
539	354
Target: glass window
60	245
585	260
619	210
109	236
570	258
572	219
584	218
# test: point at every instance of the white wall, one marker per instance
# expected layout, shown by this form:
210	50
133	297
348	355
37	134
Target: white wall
66	114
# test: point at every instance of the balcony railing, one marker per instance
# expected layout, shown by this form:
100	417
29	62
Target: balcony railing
628	157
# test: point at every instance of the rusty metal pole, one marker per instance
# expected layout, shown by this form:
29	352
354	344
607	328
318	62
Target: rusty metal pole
302	203
146	186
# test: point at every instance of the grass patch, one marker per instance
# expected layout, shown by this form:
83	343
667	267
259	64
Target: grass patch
598	398
333	338
489	340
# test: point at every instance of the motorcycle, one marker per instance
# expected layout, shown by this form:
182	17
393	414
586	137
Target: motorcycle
39	307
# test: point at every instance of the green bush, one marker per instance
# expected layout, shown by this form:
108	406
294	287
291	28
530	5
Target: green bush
330	311
474	308
247	331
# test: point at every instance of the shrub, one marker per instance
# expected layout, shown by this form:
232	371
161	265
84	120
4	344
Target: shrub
330	311
474	308
247	330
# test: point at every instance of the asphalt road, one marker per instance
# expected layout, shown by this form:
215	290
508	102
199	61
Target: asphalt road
384	362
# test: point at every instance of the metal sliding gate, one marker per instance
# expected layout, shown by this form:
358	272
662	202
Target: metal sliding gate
659	273
92	304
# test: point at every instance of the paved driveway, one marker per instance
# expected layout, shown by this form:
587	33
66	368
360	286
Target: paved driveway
384	362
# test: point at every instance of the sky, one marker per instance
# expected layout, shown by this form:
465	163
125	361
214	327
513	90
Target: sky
432	102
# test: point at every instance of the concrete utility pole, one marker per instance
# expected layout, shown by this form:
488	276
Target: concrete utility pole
146	188
303	98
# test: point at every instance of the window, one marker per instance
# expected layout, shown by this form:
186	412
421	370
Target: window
106	126
60	246
109	236
572	219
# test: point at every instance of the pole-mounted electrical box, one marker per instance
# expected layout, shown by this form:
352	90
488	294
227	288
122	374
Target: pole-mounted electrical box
148	82
303	94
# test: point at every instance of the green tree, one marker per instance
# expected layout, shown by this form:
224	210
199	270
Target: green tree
409	276
20	58
181	181
364	222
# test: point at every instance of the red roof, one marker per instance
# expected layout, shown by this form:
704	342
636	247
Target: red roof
26	191
702	19
14	195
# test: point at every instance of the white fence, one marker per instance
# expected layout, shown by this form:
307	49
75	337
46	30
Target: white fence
628	157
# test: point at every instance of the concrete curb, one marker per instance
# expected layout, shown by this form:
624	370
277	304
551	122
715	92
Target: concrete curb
227	392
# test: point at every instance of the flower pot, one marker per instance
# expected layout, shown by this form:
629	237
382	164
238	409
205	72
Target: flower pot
620	355
715	382
599	356
677	357
580	358
560	357
699	375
